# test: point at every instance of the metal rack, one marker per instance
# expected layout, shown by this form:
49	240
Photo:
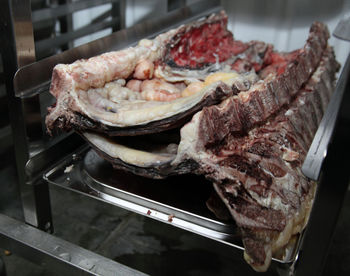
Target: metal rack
42	160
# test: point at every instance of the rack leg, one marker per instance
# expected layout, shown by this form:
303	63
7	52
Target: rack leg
18	50
2	268
36	206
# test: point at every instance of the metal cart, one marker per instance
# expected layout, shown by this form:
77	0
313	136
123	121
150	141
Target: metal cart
43	160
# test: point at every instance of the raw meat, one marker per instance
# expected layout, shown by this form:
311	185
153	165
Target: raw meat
258	174
247	115
99	93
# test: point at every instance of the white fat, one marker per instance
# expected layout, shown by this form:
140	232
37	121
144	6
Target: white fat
121	82
172	148
290	155
126	154
118	93
231	189
146	43
287	182
181	76
295	224
97	100
273	202
284	237
187	146
289	112
141	112
217	64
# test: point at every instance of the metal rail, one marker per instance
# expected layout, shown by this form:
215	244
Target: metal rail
62	10
46	249
66	37
333	187
318	150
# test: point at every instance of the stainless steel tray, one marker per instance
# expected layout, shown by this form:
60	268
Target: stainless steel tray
177	200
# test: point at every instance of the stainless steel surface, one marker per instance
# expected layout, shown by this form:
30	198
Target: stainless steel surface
118	10
332	189
48	250
35	78
318	150
48	155
173	196
44	44
111	19
23	31
342	30
179	201
18	50
61	10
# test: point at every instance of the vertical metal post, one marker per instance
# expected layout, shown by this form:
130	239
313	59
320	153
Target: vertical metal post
18	50
66	24
2	268
118	10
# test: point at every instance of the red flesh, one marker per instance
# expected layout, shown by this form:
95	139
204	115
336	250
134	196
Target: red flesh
203	45
276	62
211	42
